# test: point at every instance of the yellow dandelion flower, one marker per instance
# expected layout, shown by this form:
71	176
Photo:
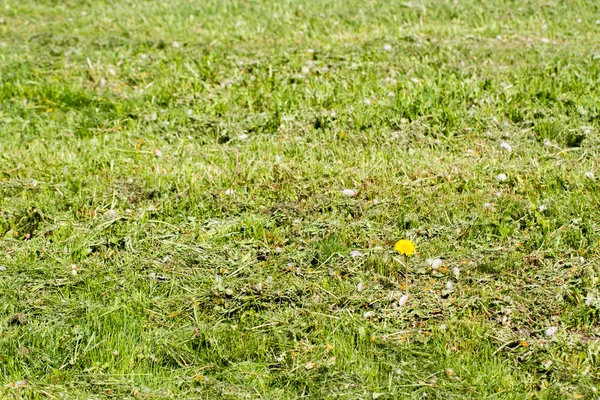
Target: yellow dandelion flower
405	247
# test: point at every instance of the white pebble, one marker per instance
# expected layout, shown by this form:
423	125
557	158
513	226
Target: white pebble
305	70
176	45
355	254
348	192
387	47
501	177
369	314
359	287
506	146
551	331
456	272
542	208
112	72
545	40
449	285
403	300
487	205
548	143
2	268
229	192
589	175
243	136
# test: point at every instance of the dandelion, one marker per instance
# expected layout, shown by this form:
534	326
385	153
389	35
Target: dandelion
456	272
487	205
157	153
176	45
501	177
506	146
542	208
551	331
355	254
402	300
545	40
2	268
348	193
407	249
387	47
359	287
434	263
368	314
229	192
449	285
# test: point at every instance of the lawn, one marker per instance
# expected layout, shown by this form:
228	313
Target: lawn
199	199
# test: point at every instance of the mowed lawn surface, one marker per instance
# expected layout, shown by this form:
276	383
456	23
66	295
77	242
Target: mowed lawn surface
174	225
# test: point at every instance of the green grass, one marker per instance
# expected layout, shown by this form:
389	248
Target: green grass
197	188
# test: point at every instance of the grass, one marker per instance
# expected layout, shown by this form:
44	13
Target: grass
187	159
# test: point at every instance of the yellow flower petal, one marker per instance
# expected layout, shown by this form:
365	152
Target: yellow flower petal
406	247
